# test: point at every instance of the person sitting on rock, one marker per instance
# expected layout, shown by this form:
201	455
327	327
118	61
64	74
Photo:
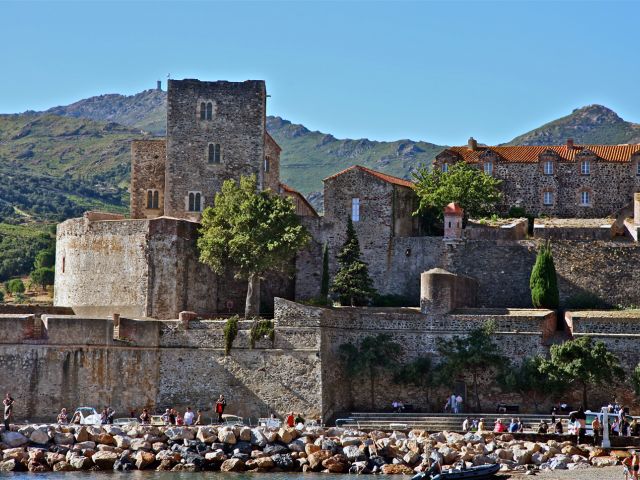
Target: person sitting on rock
543	428
76	419
481	425
499	426
198	420
62	417
145	418
513	426
558	427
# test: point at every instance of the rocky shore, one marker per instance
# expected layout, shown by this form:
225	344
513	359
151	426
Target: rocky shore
41	448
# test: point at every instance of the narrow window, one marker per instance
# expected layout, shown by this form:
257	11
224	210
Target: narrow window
213	153
156	196
548	198
266	164
149	198
209	111
445	167
218	157
355	209
197	203
449	224
585	167
548	167
638	168
203	109
488	168
585	198
191	202
63	263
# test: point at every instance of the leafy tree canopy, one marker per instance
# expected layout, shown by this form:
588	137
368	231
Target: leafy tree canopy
584	362
14	286
250	231
43	276
476	192
472	354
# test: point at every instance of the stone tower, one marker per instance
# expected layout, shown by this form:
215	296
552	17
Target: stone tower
215	131
453	222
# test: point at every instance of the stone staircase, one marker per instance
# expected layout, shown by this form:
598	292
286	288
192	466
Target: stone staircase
433	422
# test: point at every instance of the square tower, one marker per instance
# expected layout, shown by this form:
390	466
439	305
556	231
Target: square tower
215	132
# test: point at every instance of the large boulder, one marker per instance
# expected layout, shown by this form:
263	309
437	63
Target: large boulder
287	435
39	436
140	444
122	441
105	459
336	464
245	434
283	461
60	438
232	465
397	469
14	439
103	439
264	463
207	434
353	453
316	459
227	436
258	438
63	467
144	459
179	433
79	462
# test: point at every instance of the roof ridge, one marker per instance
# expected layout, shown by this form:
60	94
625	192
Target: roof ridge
382	176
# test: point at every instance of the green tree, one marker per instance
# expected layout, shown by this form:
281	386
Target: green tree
635	380
15	286
43	276
528	380
543	281
251	231
1	296
419	372
352	282
585	363
476	192
472	354
45	258
372	355
324	284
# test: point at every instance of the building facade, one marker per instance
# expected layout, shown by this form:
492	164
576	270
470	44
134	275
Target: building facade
582	181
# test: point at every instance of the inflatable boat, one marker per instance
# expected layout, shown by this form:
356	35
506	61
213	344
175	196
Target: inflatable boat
481	472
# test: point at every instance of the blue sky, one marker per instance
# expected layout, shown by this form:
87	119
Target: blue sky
434	71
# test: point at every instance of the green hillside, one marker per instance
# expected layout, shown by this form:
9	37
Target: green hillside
593	124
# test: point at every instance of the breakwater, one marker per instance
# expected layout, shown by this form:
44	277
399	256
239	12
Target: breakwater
42	448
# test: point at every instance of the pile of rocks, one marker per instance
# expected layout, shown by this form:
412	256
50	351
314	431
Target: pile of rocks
39	448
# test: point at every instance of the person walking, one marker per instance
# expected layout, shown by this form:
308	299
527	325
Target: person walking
221	403
597	429
8	410
465	425
188	416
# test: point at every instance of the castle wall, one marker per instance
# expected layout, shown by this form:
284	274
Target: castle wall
237	125
272	158
148	159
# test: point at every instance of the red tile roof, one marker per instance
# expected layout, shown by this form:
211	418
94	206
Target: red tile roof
382	176
453	209
293	191
529	154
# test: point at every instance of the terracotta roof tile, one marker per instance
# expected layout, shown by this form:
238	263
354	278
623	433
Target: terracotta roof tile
529	154
382	176
453	208
293	191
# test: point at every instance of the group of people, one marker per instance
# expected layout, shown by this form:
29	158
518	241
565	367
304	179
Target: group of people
454	403
500	426
172	417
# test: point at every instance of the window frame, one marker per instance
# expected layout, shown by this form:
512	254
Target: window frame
214	153
444	168
638	168
355	209
545	194
587	194
585	167
487	167
547	168
195	201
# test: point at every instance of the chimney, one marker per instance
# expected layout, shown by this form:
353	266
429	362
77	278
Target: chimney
569	143
473	144
159	85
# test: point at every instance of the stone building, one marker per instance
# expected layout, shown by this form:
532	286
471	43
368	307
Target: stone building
147	266
585	181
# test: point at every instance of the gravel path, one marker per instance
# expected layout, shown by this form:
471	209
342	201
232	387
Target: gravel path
606	473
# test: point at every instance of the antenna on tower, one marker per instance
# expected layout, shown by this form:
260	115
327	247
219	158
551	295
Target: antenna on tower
168	75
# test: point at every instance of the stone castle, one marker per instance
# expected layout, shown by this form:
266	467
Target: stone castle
121	283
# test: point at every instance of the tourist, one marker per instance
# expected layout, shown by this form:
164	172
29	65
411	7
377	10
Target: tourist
474	425
290	420
453	403
513	426
111	415
299	420
558	427
465	425
179	419
554	412
597	430
104	416
145	418
632	464
188	416
62	417
172	416
166	416
499	427
458	403
581	424
481	425
634	428
198	420
77	418
397	406
615	427
8	410
543	427
221	403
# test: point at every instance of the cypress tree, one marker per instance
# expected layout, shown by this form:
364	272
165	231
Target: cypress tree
543	282
324	286
352	282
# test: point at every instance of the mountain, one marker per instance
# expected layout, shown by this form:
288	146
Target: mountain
146	110
593	124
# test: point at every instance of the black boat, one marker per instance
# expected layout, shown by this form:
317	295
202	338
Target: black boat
479	473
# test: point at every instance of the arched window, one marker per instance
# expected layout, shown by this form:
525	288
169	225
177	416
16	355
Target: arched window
266	164
156	197
197	203
194	203
209	111
191	202
203	110
213	153
149	198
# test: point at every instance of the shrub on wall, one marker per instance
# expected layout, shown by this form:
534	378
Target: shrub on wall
15	286
261	328
543	282
230	333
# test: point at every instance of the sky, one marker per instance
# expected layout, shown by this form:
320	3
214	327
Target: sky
423	70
